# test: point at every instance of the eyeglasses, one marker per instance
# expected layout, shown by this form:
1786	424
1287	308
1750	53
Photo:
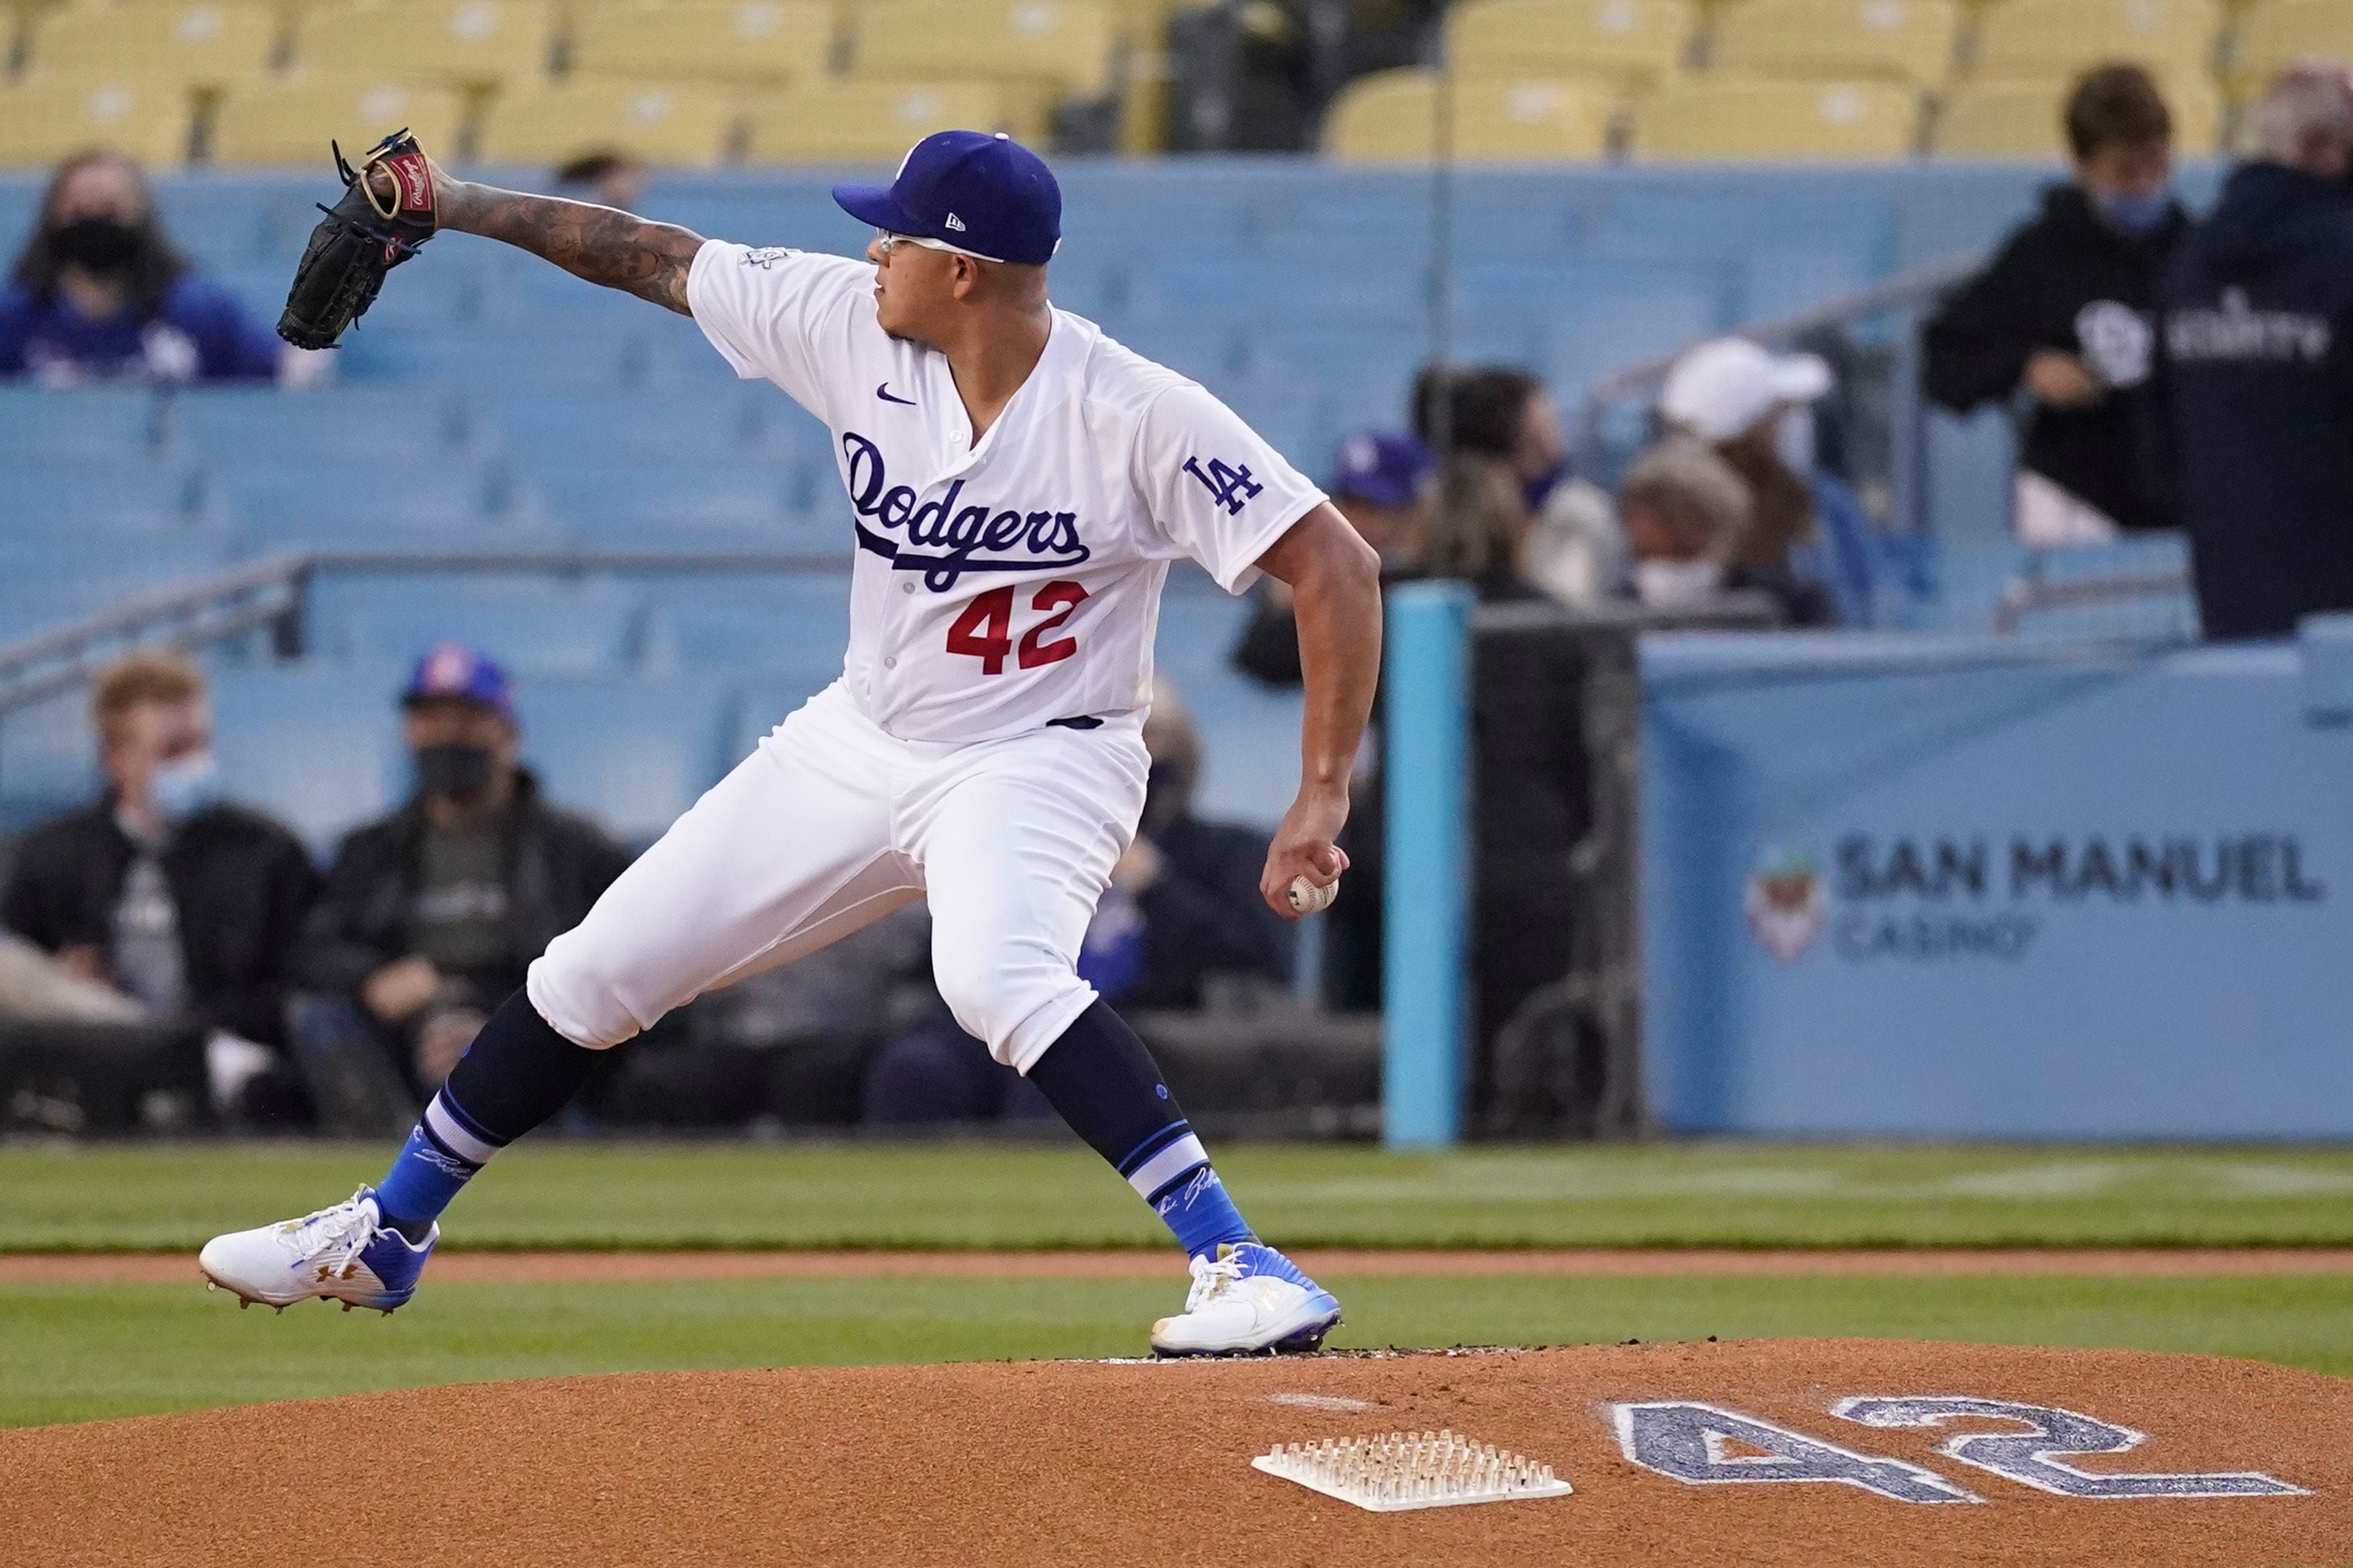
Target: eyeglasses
890	242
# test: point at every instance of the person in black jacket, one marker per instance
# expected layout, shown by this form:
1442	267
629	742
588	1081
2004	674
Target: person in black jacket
185	904
2061	320
431	916
2258	369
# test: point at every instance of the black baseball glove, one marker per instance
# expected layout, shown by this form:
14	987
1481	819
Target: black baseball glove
367	234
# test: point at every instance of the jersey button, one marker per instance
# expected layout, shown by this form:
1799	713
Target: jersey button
906	587
890	661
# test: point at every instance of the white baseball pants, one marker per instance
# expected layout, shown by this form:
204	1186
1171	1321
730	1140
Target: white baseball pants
831	824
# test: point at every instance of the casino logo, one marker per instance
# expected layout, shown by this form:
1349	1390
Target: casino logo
1787	907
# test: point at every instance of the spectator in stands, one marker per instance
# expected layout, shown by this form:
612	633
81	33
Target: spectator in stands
2257	363
2060	319
161	892
1754	409
1575	550
433	914
99	292
1685	511
606	177
1378	478
1182	913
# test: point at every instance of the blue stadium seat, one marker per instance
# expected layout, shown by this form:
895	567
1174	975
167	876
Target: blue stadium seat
1205	351
1262	288
315	744
40	424
545	431
1285	412
128	493
238	426
796	622
632	754
1250	768
357	502
488	360
653	493
44	583
49	756
525	623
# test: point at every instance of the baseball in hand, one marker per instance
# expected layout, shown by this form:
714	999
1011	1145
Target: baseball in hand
1308	898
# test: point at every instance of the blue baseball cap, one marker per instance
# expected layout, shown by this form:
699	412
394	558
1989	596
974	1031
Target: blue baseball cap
986	195
1383	467
454	670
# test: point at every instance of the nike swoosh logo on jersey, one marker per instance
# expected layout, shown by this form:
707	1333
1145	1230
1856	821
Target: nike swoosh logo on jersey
883	392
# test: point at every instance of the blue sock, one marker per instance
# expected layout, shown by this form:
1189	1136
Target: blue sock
1105	1083
516	1074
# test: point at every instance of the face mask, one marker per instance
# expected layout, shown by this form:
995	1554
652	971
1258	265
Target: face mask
1676	585
455	771
102	244
184	787
2135	213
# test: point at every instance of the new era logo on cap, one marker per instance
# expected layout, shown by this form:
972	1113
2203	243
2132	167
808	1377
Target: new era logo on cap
955	223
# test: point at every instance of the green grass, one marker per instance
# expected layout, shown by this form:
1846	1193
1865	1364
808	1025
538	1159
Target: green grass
73	1353
960	1195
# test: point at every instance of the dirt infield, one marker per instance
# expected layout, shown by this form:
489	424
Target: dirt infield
555	1267
1139	1463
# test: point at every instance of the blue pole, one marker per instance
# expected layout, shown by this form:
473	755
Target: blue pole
1426	774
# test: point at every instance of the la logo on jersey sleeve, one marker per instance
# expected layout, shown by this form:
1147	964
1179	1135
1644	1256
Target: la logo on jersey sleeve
1228	487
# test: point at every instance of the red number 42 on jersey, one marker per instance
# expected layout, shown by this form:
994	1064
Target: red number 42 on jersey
984	629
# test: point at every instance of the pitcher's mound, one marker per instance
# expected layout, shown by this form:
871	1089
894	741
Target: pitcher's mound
1685	1453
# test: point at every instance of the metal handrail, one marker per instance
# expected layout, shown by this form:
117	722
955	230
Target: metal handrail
274	591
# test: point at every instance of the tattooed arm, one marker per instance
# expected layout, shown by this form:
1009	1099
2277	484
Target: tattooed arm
602	245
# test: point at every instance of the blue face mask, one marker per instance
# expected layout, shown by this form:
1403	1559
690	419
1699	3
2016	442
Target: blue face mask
184	787
1539	490
2136	212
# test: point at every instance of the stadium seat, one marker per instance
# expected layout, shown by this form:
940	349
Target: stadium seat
2022	119
1734	120
1908	40
2274	34
634	753
1063	44
801	621
2055	38
1284	289
713	40
1391	117
486	360
358	502
471	43
1620	40
872	121
588	632
290	121
45	424
552	429
49	756
649	495
54	499
315	744
201	43
682	123
45	118
242	427
44	582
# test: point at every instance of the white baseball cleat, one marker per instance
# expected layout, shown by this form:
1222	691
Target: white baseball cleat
1248	1299
343	1254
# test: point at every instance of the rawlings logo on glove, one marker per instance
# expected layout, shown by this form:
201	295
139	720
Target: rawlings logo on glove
362	237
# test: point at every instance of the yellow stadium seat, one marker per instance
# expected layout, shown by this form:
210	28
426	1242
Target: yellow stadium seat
1737	120
1910	40
717	40
290	121
199	42
662	122
1391	117
45	118
1635	41
2021	119
473	42
2276	34
872	121
2052	37
1064	45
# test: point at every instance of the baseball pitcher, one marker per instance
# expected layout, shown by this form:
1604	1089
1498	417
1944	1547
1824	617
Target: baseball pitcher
1019	484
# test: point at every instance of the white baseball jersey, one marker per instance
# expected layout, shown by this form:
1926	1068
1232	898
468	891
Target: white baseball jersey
1003	583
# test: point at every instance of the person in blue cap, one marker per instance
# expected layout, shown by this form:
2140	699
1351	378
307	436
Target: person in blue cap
1018	485
430	916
